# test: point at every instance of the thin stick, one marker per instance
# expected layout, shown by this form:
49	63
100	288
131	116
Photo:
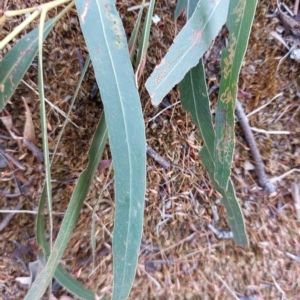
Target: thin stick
233	294
259	165
221	235
274	179
269	131
163	111
135	7
157	157
263	106
296	197
9	216
296	7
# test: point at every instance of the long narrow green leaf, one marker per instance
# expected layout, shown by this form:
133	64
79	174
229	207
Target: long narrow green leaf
17	61
144	41
82	187
239	22
106	41
188	47
66	280
134	34
194	97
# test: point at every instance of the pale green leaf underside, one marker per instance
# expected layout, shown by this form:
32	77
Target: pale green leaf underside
107	45
188	47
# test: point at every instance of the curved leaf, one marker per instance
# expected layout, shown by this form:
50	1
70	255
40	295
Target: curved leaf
106	42
82	187
194	97
188	47
17	61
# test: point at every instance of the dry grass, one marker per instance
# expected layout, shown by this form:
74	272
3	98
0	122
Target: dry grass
180	258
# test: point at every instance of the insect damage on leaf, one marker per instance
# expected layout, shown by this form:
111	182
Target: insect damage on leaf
238	11
166	66
229	94
229	60
224	146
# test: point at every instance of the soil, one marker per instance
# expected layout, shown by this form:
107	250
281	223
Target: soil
180	257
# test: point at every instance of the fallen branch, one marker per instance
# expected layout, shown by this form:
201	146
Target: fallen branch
263	180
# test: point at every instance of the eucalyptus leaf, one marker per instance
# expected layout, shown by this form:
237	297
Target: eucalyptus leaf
239	22
195	99
106	42
188	47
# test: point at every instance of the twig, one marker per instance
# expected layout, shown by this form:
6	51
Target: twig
274	179
51	104
292	256
259	165
296	198
278	287
9	216
270	131
221	235
233	294
264	105
166	108
157	157
10	158
162	161
296	7
34	149
135	7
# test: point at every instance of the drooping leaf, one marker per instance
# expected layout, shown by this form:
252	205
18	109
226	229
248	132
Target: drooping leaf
233	209
82	187
195	99
106	41
188	47
65	279
239	22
